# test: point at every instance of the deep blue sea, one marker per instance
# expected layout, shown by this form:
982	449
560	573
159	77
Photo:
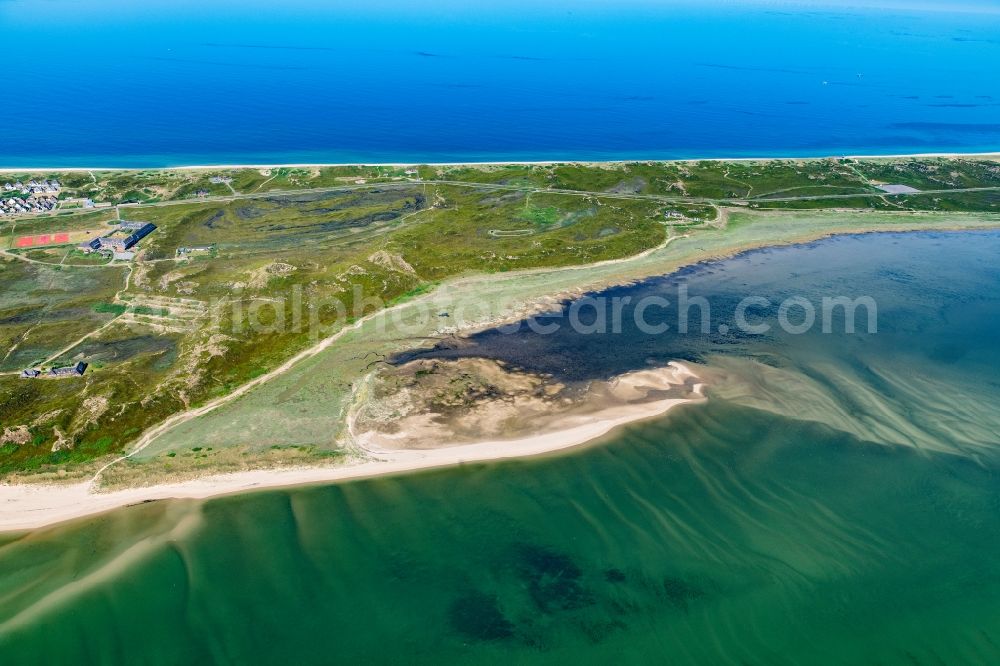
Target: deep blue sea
155	83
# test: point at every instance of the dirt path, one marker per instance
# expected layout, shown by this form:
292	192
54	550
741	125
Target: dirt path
77	342
14	255
64	350
661	198
183	417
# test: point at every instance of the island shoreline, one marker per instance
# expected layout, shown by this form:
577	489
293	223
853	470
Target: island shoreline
29	506
26	507
473	163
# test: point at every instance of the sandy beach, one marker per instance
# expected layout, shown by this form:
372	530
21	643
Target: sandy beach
316	165
30	506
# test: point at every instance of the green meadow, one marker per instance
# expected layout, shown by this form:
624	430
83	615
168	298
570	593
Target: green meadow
326	246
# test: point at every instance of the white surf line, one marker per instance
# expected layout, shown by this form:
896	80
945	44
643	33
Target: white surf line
550	162
27	507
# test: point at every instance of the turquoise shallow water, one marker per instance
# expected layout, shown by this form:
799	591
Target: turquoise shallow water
834	502
158	83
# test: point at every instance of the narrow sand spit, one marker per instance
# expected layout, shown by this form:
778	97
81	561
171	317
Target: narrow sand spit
631	160
24	507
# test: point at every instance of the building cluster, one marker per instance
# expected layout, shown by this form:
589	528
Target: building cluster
18	206
33	187
65	371
35	196
220	180
121	240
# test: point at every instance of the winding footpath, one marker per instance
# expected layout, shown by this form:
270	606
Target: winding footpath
183	417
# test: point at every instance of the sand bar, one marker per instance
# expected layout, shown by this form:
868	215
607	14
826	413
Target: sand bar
30	506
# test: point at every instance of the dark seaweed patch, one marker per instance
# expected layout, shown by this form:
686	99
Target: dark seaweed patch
948	353
678	592
895	275
478	616
614	575
597	631
552	578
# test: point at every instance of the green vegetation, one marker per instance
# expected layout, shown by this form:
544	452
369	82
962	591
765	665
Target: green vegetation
147	310
110	308
74	257
165	334
542	217
779	183
419	290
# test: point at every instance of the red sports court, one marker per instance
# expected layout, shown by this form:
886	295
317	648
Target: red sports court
44	239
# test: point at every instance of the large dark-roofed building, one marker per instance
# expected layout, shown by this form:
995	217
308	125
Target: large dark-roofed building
91	245
140	233
117	242
77	369
122	244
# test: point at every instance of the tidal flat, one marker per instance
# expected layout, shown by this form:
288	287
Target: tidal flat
833	501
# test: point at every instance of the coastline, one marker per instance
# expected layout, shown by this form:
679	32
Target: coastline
31	506
305	165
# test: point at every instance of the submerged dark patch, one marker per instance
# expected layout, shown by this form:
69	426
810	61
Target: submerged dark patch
679	592
597	631
614	575
478	616
553	579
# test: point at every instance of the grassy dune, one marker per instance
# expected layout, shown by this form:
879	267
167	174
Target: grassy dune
167	333
307	406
